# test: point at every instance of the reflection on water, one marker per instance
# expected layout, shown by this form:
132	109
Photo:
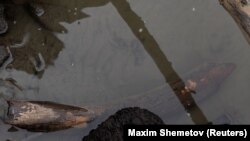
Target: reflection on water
151	46
114	50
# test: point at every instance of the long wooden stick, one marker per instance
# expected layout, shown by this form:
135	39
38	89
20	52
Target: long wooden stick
240	11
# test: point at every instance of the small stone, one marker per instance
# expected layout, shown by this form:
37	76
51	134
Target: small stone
140	30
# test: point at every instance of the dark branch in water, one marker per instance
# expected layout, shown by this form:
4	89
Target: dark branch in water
31	12
240	11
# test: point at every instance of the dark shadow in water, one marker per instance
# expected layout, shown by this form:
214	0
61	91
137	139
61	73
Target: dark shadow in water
151	46
31	38
42	40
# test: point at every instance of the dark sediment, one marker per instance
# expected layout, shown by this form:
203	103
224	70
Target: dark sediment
3	23
112	128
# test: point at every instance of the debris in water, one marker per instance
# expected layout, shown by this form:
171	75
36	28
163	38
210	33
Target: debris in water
39	62
22	43
37	9
45	116
13	82
3	23
5	56
240	11
9	87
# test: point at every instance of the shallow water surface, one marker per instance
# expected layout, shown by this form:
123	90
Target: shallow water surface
93	53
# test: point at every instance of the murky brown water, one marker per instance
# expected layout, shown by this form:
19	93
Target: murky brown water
96	55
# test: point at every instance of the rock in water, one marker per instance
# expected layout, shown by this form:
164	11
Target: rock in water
44	116
112	128
3	23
